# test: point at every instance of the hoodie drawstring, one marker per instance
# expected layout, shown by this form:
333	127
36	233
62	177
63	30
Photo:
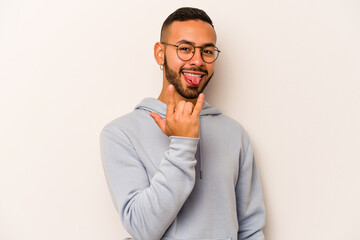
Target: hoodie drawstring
200	149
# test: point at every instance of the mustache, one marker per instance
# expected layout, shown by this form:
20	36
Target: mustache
194	69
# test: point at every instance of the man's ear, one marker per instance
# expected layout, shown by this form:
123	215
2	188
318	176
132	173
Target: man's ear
159	53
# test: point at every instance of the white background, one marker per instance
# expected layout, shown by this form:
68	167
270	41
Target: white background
289	71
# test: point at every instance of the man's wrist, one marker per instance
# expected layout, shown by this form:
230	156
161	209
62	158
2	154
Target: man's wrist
183	147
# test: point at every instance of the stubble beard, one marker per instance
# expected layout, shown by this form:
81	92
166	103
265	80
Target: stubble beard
190	92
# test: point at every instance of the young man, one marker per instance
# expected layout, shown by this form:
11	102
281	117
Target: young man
177	168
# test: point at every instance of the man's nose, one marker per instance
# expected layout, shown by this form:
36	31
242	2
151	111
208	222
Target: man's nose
197	58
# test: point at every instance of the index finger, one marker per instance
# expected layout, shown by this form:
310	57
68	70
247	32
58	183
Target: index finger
170	105
198	105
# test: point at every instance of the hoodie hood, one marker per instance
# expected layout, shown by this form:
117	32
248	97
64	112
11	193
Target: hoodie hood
155	105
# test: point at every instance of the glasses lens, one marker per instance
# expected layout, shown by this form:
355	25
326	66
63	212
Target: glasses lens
209	54
185	51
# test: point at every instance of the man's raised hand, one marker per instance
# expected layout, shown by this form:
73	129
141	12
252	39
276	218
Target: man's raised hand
182	119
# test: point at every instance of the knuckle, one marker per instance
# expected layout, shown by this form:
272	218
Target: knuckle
189	104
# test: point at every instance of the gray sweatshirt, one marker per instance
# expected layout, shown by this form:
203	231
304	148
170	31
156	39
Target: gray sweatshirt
156	185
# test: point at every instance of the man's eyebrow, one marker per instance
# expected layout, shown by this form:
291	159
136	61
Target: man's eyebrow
192	43
185	41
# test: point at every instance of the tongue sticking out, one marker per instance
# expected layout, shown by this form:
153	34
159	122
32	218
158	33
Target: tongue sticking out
193	80
196	80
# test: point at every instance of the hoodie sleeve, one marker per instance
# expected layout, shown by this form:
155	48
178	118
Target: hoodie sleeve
148	206
250	204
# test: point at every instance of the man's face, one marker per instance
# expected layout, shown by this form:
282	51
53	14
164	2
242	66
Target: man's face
188	77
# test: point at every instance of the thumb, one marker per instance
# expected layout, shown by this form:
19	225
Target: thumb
159	121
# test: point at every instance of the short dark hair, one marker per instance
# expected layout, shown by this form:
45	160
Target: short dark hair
184	14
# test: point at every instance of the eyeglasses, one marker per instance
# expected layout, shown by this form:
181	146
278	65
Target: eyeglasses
186	51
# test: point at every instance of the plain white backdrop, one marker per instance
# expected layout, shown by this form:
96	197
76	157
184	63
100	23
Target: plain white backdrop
289	71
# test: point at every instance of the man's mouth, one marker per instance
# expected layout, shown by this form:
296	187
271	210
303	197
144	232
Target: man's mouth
193	79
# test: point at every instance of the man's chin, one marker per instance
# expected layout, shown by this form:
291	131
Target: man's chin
191	92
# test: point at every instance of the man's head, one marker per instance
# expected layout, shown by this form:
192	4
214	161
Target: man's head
189	69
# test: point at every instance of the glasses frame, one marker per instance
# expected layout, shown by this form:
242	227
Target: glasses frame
201	51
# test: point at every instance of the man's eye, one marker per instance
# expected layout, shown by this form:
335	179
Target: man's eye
185	49
208	52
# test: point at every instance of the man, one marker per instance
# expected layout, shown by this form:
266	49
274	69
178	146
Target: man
177	168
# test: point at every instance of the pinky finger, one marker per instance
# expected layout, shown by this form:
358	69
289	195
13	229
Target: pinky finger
199	104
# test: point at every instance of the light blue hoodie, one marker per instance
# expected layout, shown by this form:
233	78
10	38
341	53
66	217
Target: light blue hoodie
155	180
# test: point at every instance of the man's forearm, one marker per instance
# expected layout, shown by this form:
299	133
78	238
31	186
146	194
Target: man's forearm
147	208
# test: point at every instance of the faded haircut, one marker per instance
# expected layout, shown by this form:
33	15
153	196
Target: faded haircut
184	14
